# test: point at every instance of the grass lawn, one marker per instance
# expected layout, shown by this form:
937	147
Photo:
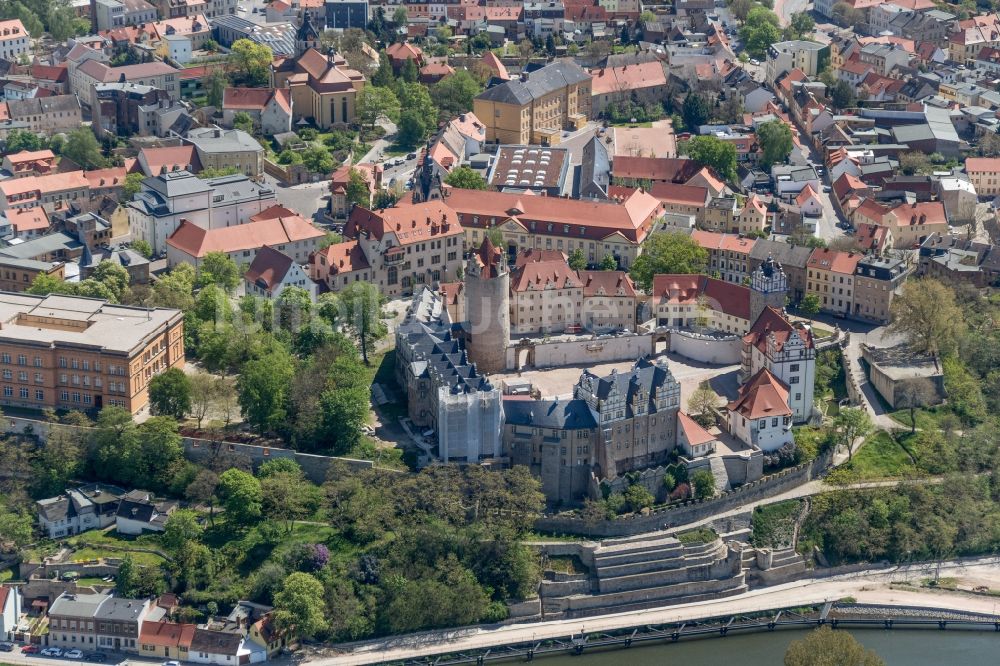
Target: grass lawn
96	553
110	537
927	419
811	441
569	564
881	457
648	123
774	524
821	332
7	574
698	535
92	580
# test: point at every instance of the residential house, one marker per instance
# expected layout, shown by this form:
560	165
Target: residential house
49	191
91	73
19	274
339	264
699	301
910	223
728	254
290	234
984	174
79	509
139	513
644	81
14	40
156	161
29	163
789	179
831	275
760	416
25	223
10	610
953	260
808	57
791	258
117	621
118	107
876	282
372	173
72	620
809	202
538	106
46	115
166	640
273	271
227	149
269	108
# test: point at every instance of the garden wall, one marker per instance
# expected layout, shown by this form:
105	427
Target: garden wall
724	350
315	467
688	512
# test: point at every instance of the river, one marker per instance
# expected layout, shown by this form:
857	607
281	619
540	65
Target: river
898	647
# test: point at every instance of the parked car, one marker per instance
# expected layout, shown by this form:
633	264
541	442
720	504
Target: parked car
98	657
31	649
52	652
754	62
6	647
411	156
171	663
73	654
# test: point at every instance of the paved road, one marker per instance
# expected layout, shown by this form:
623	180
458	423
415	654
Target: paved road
869	586
305	199
785	8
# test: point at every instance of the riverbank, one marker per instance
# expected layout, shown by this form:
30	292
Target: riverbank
866	587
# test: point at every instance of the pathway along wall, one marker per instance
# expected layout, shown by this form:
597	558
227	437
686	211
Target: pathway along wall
688	512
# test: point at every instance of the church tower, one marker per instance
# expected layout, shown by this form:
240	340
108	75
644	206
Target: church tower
307	37
768	286
487	308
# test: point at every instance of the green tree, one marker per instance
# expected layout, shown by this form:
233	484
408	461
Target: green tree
288	496
454	94
143	248
19	140
127	576
842	95
318	160
400	17
609	263
82	147
851	425
383	76
170	393
202	489
219	269
289	156
361	308
204	392
217	172
61	22
668	252
802	24
358	191
711	151
182	526
376	104
926	314
56	462
703	484
243	121
241	497
701	402
637	497
775	139
809	304
215	86
415	97
412	129
299	605
826	647
133	183
740	9
695	111
465	178
409	72
914	162
113	276
760	29
158	453
263	388
577	260
252	61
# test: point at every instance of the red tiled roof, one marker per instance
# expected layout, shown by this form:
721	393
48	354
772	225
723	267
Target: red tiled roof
823	258
173	158
575	218
110	177
982	165
925	212
607	283
408	222
773	324
166	634
27	219
546	274
57	73
688	195
763	396
726	297
693	431
404	51
667	169
345	257
269	266
712	240
872	237
197	242
451	292
628	77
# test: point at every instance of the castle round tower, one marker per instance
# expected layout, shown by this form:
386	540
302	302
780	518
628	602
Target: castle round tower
487	308
768	286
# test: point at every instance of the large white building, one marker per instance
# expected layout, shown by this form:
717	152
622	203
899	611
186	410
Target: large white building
156	211
760	416
788	352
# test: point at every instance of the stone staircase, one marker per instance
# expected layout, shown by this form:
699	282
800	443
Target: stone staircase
650	571
719	472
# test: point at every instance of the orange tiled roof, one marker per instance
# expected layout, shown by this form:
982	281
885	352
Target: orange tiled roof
763	396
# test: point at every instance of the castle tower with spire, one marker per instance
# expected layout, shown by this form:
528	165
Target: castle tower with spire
307	37
768	287
487	308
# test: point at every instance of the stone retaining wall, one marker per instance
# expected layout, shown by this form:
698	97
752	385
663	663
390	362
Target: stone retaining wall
688	512
724	350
